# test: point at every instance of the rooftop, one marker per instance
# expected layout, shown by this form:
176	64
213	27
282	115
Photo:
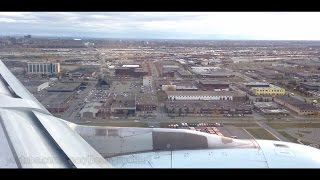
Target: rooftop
205	93
311	83
207	104
208	82
123	102
256	83
54	99
131	65
91	107
270	86
145	99
64	87
295	102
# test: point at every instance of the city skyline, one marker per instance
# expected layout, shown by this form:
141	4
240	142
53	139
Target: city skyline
165	25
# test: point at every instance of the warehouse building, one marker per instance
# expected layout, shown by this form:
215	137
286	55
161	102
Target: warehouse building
206	95
256	84
313	86
55	102
212	72
64	87
198	108
130	71
300	107
270	108
213	85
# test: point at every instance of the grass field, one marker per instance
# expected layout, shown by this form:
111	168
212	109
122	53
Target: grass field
294	125
120	124
260	133
251	124
288	136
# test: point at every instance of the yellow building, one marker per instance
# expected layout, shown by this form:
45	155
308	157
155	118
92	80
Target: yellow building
271	90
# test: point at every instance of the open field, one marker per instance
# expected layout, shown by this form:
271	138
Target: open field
293	125
288	136
260	133
250	124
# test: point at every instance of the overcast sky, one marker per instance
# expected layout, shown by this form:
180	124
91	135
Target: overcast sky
165	25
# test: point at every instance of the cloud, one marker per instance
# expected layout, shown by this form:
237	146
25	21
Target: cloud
198	25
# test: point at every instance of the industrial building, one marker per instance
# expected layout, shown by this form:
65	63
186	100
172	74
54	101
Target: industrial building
185	108
271	90
168	70
179	85
43	68
89	71
300	107
256	84
213	85
184	73
212	72
55	102
270	108
206	95
186	88
313	86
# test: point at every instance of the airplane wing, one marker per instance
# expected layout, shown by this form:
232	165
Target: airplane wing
31	137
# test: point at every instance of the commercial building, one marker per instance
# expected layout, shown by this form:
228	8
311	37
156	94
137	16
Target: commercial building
271	90
43	68
198	108
206	95
213	85
300	107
